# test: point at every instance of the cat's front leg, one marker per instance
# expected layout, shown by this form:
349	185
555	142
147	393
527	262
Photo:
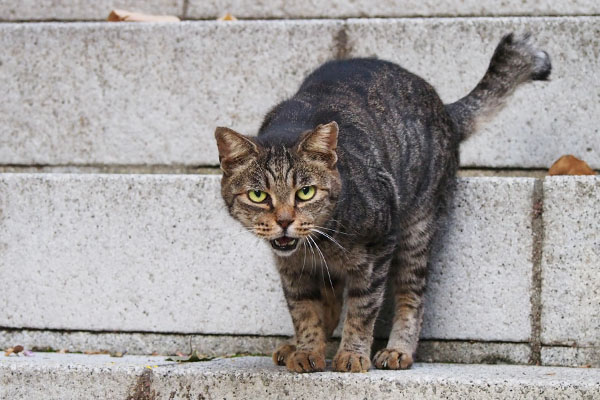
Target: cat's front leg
307	308
366	287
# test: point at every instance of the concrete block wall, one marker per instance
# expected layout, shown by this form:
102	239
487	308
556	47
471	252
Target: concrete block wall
139	94
71	10
143	262
158	253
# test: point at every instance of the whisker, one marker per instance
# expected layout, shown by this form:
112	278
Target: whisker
304	260
312	270
342	225
330	238
333	230
325	262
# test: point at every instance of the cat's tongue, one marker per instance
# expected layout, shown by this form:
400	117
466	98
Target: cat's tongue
284	240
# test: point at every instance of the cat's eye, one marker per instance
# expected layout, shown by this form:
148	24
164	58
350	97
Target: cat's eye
306	193
257	196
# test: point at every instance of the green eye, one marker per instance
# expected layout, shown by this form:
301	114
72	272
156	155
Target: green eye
257	196
306	193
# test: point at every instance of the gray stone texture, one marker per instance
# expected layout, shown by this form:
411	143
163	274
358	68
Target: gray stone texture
46	10
542	120
386	8
571	262
584	357
152	94
75	376
158	253
468	352
35	10
480	281
145	93
150	253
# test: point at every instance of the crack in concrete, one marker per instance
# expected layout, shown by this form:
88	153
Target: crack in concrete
342	47
142	390
537	226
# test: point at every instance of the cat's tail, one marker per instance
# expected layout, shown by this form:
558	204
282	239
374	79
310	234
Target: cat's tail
514	62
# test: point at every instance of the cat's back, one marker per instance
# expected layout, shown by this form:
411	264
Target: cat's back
357	72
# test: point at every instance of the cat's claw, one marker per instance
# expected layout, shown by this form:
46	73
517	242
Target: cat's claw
346	361
392	359
282	353
305	361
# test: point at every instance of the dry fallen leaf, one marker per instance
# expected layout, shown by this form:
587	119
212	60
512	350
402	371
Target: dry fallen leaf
570	165
88	352
129	16
227	17
8	351
62	351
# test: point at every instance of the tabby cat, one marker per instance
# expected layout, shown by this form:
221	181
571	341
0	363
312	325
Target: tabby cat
346	181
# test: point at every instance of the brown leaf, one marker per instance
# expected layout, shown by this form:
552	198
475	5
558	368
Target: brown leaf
96	352
129	16
8	351
227	17
18	349
570	165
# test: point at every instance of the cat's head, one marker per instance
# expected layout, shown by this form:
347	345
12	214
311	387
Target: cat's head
280	193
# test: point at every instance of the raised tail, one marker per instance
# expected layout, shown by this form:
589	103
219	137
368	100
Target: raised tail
514	62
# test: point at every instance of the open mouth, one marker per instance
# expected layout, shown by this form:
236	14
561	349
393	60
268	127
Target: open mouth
284	243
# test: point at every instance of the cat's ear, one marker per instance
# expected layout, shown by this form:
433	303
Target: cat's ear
234	148
321	143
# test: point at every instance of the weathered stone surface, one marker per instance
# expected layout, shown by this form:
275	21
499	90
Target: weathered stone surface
479	285
542	120
150	253
76	376
571	356
468	352
36	10
158	253
134	94
98	10
571	261
386	8
146	93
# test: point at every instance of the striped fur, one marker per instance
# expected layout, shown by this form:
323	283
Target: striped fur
381	149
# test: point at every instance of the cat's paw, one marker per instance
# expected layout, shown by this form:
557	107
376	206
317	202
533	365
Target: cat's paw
282	353
346	361
305	361
392	359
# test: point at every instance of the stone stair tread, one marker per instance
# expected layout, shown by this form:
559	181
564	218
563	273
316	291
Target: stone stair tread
51	375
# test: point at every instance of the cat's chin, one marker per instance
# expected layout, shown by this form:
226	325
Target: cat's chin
285	245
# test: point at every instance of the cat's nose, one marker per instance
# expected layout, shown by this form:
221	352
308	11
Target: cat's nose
284	223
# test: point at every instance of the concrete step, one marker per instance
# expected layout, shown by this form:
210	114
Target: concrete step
138	94
210	9
158	253
60	376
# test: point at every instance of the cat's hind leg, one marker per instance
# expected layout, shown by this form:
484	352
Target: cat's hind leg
409	274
